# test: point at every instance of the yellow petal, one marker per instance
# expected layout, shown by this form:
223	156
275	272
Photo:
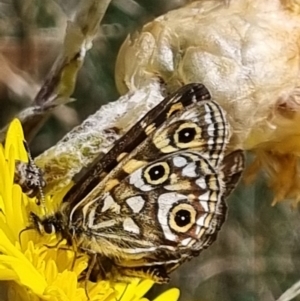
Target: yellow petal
16	261
125	291
169	295
14	212
15	137
143	287
7	274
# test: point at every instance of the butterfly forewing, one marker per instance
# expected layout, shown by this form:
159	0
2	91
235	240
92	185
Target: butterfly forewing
176	102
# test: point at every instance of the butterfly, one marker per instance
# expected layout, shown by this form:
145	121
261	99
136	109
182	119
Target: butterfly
157	198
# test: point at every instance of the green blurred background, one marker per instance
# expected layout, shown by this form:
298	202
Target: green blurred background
256	256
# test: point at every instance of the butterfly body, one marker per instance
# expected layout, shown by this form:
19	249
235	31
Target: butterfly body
149	207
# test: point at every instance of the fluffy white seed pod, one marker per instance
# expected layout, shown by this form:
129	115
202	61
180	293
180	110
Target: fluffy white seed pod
246	53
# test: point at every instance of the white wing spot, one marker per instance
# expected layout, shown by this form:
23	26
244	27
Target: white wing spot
211	130
204	197
211	141
108	203
179	161
201	183
136	203
190	170
197	231
201	221
186	241
130	226
204	206
136	179
207	116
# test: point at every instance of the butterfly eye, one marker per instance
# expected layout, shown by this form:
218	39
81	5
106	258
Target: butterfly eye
49	228
186	133
157	173
182	217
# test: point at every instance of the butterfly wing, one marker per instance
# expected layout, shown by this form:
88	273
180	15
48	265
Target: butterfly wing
163	199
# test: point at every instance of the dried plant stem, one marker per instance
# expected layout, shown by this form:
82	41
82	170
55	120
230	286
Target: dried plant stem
290	293
59	84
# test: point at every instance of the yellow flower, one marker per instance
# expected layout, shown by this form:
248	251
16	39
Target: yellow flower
29	269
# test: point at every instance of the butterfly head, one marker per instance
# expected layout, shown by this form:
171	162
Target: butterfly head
51	224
